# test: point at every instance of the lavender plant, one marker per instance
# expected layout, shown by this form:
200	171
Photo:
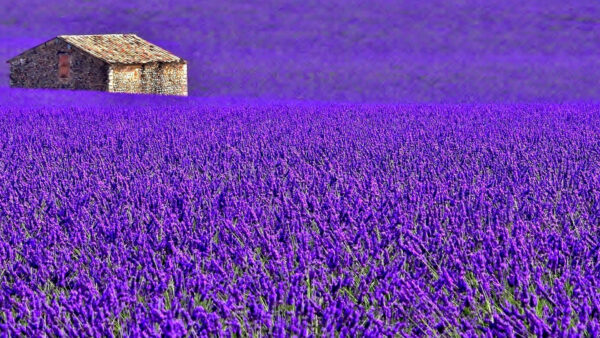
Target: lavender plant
299	219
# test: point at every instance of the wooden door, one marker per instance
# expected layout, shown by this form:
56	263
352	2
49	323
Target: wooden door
64	65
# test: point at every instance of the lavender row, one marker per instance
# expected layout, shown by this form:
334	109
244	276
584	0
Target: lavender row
305	219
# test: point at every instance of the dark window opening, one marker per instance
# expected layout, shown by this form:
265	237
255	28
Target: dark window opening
64	65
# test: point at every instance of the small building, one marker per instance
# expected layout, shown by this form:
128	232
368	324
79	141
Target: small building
122	63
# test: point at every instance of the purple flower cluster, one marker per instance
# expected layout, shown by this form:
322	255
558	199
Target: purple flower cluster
303	219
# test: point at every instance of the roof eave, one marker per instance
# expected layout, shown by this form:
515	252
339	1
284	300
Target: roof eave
183	61
99	57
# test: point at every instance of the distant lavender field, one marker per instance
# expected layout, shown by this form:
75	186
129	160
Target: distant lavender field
346	50
341	169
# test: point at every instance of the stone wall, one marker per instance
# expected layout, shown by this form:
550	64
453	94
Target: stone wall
125	78
38	68
150	78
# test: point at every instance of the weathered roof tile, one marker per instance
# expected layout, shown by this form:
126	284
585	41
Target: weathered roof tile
121	48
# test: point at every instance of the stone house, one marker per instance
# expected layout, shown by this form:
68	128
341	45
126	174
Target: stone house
122	63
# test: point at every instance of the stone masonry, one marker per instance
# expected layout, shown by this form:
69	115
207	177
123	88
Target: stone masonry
116	63
38	68
159	78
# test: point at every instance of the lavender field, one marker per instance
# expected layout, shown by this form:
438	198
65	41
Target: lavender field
306	219
346	50
341	168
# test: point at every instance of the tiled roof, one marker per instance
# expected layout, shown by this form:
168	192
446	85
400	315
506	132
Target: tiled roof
121	48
